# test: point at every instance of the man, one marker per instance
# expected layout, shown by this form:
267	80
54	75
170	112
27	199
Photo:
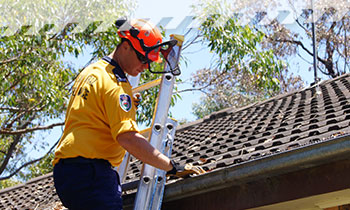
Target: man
100	124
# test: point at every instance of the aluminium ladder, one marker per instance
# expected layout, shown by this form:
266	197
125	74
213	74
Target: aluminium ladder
151	186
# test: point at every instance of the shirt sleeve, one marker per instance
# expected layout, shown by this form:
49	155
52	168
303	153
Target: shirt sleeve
120	110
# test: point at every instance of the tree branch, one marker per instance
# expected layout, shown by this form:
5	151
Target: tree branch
12	148
16	82
346	49
17	58
301	26
15	109
299	43
10	60
29	163
25	111
193	89
22	131
304	59
330	51
193	41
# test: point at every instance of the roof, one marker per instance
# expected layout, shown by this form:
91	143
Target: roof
233	136
38	193
275	129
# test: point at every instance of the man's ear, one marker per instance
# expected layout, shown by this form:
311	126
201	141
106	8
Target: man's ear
125	45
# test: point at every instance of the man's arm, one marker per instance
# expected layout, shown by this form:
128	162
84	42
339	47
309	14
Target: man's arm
140	148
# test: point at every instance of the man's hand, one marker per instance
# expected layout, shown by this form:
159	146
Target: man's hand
140	148
184	171
137	99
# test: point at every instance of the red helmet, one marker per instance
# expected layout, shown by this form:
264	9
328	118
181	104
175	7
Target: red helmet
142	32
147	40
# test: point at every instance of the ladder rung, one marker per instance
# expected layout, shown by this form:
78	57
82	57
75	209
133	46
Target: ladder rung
147	86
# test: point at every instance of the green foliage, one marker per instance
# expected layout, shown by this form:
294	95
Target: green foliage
33	88
237	48
149	97
44	166
205	107
8	183
32	75
243	73
61	12
35	78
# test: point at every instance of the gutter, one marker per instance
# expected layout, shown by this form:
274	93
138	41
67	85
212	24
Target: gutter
281	163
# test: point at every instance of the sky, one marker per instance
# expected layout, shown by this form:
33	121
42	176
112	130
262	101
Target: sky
197	56
159	10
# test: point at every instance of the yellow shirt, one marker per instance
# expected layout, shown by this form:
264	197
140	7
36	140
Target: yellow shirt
100	108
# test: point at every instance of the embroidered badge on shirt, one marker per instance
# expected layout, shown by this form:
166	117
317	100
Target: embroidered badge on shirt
125	102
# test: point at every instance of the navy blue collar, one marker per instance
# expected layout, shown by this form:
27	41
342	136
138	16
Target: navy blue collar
117	71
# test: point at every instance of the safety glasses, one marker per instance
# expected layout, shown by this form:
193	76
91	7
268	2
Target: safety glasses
141	57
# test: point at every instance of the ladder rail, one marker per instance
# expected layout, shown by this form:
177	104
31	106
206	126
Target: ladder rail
150	186
144	196
167	145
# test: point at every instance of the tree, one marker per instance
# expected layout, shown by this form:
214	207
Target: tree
295	39
332	26
38	78
35	79
243	72
289	41
33	91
